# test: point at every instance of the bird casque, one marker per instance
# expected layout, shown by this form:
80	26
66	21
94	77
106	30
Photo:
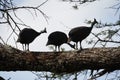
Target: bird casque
58	38
78	34
27	35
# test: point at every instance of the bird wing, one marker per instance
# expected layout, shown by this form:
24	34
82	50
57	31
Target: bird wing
80	30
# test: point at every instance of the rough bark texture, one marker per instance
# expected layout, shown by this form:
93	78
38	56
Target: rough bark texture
12	59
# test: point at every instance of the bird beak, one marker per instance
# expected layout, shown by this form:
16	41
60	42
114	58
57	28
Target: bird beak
95	21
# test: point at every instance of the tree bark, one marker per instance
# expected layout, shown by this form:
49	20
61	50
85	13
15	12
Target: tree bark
12	59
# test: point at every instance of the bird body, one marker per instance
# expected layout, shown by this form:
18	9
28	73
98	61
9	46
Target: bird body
57	38
27	35
78	34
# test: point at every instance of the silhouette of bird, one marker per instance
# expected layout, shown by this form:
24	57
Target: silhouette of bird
58	38
79	33
27	35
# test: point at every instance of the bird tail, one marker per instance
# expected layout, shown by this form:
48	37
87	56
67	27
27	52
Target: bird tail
47	43
18	40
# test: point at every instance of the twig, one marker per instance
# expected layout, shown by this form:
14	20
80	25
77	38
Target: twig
95	43
15	42
42	4
23	25
3	22
13	22
98	75
2	40
26	7
117	7
105	40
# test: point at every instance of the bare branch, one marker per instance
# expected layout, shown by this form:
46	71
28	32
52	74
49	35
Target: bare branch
117	7
7	7
3	22
105	40
99	74
2	40
80	1
13	22
34	8
23	24
42	4
59	62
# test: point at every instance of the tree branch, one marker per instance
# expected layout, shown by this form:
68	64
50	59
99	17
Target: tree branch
80	1
12	59
105	40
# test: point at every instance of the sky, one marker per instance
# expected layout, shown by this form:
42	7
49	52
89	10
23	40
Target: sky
61	17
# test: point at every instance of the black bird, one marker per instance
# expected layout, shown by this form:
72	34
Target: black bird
27	35
58	38
79	33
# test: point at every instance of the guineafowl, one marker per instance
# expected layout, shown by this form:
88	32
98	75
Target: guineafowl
58	38
77	34
27	35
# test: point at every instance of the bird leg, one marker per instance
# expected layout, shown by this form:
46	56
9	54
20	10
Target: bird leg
23	47
81	46
27	47
55	48
76	45
59	48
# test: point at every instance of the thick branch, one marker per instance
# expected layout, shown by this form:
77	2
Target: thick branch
12	59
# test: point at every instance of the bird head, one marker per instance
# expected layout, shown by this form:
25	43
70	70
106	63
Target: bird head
71	45
95	21
44	31
68	42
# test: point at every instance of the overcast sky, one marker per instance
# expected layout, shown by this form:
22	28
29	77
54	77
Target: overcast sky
62	17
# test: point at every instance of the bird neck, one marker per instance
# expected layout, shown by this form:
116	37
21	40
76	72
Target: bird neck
92	24
43	31
39	33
